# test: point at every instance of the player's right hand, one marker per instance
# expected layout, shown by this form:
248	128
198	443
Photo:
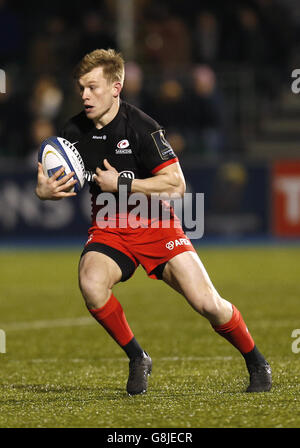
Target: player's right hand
53	189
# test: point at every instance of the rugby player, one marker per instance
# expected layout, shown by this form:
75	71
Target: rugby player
122	147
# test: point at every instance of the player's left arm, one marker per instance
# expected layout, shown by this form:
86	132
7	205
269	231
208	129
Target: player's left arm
169	180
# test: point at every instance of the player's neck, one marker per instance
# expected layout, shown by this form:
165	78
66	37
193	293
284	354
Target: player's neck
106	118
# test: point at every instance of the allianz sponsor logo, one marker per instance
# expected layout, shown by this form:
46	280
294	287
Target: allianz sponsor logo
99	137
180	242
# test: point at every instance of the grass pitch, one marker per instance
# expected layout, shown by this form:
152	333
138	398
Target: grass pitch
62	370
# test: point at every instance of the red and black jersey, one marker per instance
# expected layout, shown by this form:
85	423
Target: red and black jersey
132	142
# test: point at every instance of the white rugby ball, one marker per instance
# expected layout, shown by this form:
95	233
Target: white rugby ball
56	152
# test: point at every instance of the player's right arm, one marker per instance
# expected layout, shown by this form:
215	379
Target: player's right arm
53	189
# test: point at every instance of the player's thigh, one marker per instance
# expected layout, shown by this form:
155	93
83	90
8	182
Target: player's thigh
98	273
187	275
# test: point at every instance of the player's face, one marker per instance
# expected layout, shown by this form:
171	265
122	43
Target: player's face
98	95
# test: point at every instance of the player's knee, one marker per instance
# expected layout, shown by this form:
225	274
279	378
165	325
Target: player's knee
209	303
94	287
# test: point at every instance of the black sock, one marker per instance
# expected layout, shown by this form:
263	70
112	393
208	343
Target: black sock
254	357
133	349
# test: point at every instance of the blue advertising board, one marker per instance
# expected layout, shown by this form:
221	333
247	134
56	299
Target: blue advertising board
235	204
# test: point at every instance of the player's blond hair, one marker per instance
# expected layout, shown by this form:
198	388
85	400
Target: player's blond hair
111	62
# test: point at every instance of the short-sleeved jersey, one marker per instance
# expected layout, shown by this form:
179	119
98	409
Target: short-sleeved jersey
132	142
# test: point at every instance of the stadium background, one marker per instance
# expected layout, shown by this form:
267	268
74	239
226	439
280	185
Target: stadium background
216	75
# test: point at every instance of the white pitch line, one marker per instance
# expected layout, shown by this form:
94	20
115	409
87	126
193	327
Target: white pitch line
88	320
51	323
124	359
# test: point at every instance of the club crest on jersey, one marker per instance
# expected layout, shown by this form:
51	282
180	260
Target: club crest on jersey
123	144
122	147
129	174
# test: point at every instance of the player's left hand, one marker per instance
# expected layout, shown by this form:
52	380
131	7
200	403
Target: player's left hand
107	179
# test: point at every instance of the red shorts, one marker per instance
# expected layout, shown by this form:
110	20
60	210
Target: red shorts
150	247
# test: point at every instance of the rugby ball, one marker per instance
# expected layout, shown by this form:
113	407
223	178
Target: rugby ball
56	152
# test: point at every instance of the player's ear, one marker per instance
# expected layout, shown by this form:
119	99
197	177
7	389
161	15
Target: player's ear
117	87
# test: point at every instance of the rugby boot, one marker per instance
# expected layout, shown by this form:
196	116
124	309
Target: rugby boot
260	377
139	369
